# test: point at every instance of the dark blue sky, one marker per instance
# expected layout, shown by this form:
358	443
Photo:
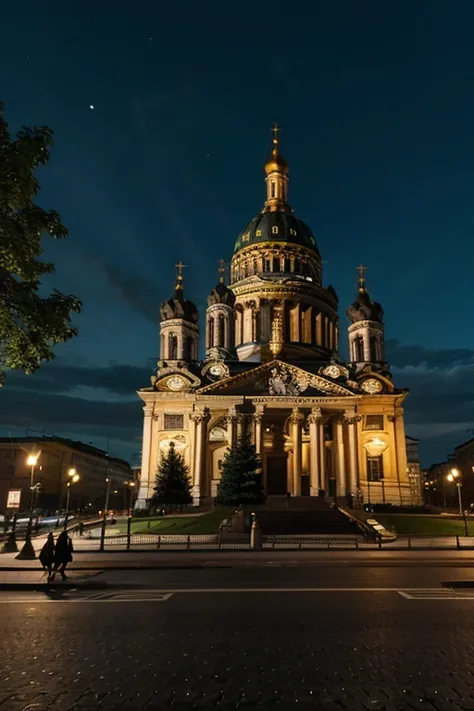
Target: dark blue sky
375	99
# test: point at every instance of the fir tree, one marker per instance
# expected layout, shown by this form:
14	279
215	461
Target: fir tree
173	486
241	480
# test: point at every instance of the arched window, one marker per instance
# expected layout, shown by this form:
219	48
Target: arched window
210	332
267	265
220	331
275	264
358	349
273	190
297	268
173	346
188	348
374	351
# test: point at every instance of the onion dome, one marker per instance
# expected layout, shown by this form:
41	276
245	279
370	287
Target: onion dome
221	294
177	306
363	308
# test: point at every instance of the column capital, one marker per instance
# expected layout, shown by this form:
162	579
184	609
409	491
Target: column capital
352	419
315	415
200	416
296	416
257	417
148	410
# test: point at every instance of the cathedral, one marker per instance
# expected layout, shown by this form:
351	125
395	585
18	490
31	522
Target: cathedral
323	427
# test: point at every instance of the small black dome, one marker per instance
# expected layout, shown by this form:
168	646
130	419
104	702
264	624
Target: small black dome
221	294
363	309
277	226
179	307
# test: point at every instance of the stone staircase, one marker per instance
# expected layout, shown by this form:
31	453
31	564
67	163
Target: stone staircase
299	515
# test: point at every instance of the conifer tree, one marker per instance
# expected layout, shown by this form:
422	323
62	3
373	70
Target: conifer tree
241	481
173	486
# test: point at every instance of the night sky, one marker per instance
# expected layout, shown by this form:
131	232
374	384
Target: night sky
375	99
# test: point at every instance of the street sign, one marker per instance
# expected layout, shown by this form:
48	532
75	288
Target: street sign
13	500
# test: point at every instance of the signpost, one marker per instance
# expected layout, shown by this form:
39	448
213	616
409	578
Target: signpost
13	499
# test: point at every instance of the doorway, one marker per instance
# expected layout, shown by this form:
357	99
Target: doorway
276	471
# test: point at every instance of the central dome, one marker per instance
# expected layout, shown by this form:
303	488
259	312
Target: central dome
276	227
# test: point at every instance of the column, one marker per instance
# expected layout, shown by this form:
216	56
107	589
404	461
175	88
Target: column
144	492
314	448
322	460
240	426
201	419
296	418
351	421
257	419
341	470
217	330
231	426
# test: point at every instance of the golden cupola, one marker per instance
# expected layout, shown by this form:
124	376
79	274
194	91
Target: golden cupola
276	274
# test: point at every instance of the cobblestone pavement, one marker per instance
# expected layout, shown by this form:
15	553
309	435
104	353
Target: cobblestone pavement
332	651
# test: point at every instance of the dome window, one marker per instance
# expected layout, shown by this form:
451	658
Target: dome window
275	230
258	233
292	232
246	238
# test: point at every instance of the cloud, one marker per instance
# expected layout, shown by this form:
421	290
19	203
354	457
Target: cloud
141	294
59	377
401	356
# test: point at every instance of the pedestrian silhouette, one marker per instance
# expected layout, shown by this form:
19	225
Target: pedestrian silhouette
46	556
62	554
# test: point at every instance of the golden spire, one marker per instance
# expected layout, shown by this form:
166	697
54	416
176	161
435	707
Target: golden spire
361	269
221	270
276	342
276	164
179	277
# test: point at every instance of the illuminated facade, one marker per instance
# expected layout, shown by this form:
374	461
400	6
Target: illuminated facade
324	427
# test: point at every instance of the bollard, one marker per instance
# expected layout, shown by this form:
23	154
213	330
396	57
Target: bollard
188	542
357	542
255	535
129	531
159	540
273	546
380	541
409	541
457	543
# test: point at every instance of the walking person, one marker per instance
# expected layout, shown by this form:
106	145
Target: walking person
46	556
62	554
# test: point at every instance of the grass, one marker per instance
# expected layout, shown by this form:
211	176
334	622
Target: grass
208	523
419	524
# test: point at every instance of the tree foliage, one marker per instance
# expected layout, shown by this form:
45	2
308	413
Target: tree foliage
173	486
241	481
30	323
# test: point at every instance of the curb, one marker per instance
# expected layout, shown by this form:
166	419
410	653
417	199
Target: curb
458	584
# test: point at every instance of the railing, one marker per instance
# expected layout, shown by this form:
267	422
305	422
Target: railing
307	540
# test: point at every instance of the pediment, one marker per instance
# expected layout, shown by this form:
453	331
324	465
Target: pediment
279	379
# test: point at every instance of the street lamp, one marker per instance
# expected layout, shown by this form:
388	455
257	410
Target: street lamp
104	518
130	485
28	552
74	478
455	476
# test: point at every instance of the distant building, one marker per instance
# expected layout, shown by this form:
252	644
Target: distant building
437	491
464	462
413	469
57	456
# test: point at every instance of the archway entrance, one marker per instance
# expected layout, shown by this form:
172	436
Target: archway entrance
276	474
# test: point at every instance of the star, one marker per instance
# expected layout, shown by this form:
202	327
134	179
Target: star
91	106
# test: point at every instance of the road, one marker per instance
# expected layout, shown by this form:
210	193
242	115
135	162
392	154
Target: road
327	637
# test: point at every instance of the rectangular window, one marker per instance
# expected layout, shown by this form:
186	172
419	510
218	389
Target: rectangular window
374	422
174	422
375	468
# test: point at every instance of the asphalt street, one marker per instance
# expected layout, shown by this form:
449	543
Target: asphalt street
321	637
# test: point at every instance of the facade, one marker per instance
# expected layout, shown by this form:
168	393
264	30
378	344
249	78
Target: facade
56	457
323	426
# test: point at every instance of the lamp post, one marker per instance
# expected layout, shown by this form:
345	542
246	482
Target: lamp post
455	476
28	552
74	477
130	485
104	518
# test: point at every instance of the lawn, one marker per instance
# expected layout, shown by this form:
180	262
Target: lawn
208	523
419	524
